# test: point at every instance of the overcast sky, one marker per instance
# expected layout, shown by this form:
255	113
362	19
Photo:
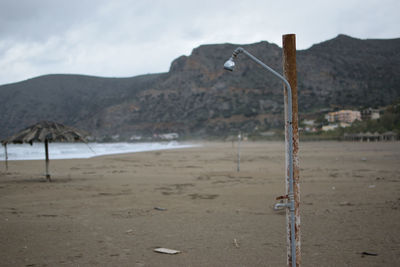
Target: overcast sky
120	38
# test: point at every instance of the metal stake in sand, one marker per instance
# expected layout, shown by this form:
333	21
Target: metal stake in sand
6	155
293	245
238	153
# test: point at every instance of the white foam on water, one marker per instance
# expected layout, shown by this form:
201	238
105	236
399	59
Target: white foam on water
81	150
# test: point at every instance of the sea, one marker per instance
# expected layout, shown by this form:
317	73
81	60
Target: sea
82	150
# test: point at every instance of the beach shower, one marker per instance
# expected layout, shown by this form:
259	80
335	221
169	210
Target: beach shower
290	204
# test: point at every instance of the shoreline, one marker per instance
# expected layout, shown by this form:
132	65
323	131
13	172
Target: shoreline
64	150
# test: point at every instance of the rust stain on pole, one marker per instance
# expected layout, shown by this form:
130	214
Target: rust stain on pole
290	73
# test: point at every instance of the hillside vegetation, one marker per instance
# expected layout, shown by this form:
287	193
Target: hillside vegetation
198	98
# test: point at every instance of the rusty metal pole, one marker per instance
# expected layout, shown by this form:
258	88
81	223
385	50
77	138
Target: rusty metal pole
290	73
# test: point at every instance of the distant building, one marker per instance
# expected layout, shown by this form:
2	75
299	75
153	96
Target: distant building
390	136
136	138
268	133
309	126
168	136
370	114
344	124
310	129
348	116
309	122
115	137
368	137
330	127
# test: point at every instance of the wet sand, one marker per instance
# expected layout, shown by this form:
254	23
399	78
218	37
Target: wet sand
115	210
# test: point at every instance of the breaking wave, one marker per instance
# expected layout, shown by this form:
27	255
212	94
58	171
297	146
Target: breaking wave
81	150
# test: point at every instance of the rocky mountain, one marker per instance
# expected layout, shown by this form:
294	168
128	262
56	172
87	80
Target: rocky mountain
198	98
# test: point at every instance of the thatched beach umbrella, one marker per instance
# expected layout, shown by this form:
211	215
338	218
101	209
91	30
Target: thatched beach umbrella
45	131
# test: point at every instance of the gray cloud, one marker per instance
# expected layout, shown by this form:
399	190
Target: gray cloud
127	38
27	20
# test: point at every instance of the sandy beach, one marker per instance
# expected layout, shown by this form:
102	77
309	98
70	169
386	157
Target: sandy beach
115	210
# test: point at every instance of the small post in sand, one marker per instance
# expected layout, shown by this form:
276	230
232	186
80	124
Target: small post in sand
6	155
238	154
46	147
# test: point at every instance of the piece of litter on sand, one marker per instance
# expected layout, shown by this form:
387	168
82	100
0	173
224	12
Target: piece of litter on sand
161	209
364	159
371	186
345	203
167	251
236	243
129	231
368	254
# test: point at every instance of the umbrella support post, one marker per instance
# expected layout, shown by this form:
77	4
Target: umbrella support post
6	155
46	147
